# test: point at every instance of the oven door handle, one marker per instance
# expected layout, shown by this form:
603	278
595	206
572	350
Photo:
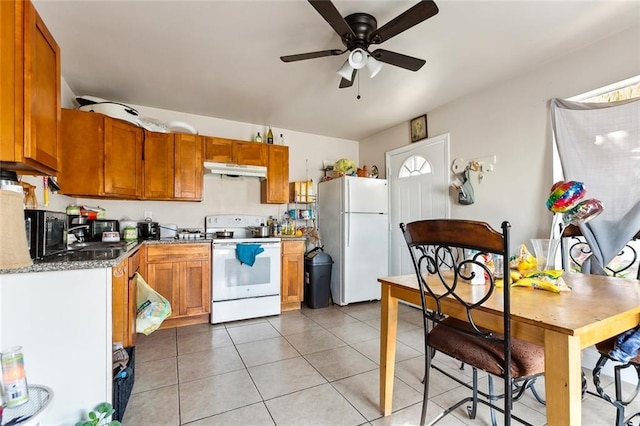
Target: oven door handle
233	245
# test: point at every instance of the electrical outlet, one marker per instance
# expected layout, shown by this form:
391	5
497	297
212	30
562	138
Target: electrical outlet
148	215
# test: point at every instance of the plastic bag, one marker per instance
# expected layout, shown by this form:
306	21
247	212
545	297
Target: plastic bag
152	308
465	190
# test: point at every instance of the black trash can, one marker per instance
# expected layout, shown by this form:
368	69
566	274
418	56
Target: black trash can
317	278
123	385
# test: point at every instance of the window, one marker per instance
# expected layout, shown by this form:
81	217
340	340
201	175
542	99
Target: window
597	133
620	91
414	166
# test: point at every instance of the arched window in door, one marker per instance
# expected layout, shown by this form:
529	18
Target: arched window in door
414	166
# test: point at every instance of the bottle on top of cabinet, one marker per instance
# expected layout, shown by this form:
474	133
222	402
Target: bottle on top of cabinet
258	138
270	136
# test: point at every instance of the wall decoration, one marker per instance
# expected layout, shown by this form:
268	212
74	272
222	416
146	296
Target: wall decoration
419	128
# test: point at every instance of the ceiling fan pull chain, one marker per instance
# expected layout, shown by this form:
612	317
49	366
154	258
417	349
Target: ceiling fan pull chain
358	97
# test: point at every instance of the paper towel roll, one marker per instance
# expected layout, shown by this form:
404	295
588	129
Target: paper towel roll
13	244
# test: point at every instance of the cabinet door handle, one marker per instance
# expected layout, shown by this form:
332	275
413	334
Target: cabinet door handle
134	273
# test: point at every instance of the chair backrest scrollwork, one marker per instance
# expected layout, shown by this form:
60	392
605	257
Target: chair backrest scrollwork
574	250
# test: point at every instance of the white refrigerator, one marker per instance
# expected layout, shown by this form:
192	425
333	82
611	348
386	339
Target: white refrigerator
353	221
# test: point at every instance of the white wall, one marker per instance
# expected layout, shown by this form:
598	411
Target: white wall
220	195
511	119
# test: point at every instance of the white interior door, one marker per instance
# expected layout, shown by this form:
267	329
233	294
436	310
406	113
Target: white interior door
418	176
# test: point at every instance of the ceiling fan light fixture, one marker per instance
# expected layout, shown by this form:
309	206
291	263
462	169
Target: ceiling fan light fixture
345	71
373	66
358	58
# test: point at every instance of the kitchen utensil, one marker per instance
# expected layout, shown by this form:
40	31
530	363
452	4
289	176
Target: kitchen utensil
126	223
224	234
149	230
130	233
181	127
9	181
110	236
259	231
99	226
113	109
168	230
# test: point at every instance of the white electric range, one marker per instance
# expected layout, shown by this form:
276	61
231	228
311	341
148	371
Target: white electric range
240	290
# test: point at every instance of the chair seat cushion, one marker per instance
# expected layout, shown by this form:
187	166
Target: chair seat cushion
526	358
607	346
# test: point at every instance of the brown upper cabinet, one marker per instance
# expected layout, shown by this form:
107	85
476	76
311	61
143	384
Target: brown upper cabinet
159	165
173	166
275	188
222	150
109	158
101	156
188	153
29	92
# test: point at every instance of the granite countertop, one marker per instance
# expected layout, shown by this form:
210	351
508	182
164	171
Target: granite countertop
68	265
293	238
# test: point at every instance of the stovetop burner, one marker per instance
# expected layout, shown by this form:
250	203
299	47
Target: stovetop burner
238	224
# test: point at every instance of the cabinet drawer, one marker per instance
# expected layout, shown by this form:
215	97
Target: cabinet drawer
177	252
292	247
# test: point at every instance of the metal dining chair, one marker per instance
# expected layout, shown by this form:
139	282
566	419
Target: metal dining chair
447	255
574	249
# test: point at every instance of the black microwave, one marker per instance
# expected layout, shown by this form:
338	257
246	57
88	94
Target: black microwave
46	232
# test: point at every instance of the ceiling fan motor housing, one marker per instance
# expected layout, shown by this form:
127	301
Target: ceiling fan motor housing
363	25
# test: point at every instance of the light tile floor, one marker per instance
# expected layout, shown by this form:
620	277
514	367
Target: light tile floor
307	367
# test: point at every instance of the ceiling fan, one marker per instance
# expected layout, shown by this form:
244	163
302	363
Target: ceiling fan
359	30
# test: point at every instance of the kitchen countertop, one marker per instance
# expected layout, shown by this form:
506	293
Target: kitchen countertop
292	237
47	266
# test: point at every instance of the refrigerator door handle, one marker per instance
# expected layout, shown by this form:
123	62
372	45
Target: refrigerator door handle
348	230
348	195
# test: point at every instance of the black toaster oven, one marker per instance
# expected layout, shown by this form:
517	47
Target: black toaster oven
98	226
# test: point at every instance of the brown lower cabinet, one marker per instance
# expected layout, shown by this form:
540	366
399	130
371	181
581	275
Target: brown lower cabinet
292	284
124	295
182	274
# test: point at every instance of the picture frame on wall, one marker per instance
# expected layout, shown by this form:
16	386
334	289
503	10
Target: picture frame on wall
418	128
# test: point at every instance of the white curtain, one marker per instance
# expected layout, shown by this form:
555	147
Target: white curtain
599	145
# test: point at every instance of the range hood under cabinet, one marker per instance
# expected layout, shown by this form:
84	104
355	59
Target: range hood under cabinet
235	169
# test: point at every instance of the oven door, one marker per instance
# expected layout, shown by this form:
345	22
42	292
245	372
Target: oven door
233	280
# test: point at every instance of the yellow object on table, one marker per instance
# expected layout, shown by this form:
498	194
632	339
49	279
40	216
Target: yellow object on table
549	280
524	261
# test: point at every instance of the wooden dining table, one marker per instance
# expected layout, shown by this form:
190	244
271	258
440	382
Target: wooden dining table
596	308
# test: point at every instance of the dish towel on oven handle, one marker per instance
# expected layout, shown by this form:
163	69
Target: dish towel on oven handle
247	252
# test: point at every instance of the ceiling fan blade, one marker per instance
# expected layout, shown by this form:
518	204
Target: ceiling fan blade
334	18
412	16
312	55
346	83
398	59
